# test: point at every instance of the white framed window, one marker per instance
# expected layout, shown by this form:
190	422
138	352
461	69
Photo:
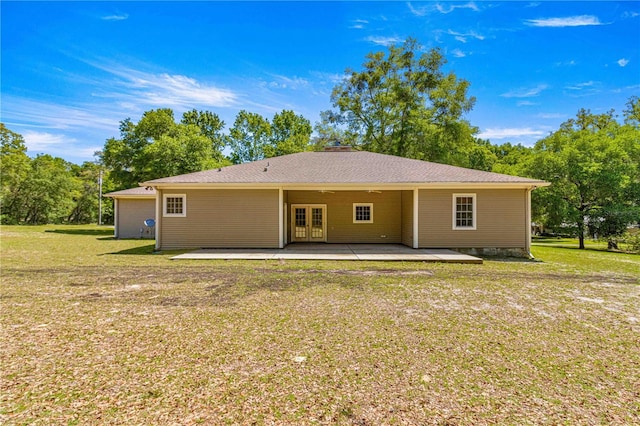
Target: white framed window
362	212
464	211
174	205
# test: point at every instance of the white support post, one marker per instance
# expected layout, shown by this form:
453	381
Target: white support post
158	217
528	222
115	218
416	243
280	218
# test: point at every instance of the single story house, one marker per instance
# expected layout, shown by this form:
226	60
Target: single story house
131	208
344	196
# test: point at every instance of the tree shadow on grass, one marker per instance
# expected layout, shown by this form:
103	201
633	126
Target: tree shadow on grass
96	232
146	249
512	259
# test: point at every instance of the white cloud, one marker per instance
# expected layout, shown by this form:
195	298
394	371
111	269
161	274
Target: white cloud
359	24
43	141
116	17
328	78
61	117
525	92
384	41
569	63
166	90
58	145
509	133
570	21
551	115
526	103
458	53
581	86
623	62
462	37
448	7
421	11
180	90
444	8
283	82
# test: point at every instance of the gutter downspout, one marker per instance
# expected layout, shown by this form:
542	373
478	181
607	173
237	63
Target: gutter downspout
528	222
416	243
280	218
115	218
158	218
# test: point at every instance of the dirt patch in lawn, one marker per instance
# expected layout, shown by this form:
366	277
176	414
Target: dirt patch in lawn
363	344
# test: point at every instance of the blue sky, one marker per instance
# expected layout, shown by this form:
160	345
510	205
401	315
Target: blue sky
71	71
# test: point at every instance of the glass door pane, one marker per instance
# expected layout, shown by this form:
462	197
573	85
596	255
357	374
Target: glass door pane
317	223
300	215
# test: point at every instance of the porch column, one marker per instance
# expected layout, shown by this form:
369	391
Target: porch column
415	218
280	218
158	217
115	218
527	243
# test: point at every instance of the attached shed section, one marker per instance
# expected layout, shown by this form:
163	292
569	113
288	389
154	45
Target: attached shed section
131	208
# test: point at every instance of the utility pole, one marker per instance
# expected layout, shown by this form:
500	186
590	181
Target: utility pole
100	198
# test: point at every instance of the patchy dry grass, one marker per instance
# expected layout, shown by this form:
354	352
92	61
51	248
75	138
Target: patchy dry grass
97	331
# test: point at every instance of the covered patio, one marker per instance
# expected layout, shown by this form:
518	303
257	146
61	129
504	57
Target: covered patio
311	251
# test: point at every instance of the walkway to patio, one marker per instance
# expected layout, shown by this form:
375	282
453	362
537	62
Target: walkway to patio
379	252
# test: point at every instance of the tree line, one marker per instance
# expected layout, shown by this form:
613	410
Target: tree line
400	102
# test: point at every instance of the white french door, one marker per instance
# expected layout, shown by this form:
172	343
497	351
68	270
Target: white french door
308	222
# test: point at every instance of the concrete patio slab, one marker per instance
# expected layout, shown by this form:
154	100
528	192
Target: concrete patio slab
367	252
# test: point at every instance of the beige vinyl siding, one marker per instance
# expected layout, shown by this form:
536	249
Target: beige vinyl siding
407	218
224	218
387	208
500	221
131	215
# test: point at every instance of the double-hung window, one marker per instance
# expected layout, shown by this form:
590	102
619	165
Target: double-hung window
464	211
174	205
363	213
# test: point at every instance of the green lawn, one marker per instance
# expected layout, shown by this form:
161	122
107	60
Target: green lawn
99	331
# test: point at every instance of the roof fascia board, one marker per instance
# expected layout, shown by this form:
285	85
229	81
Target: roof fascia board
130	197
356	187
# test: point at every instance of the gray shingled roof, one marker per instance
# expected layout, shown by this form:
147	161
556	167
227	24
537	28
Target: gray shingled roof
353	167
138	191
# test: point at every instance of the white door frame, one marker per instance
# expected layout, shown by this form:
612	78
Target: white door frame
309	218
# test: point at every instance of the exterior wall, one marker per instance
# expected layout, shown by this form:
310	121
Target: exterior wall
500	222
407	218
387	209
223	218
131	215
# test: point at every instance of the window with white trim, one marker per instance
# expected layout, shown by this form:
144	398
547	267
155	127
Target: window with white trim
362	212
464	211
174	205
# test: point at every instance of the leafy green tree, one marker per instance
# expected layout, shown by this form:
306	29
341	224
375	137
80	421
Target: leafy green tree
86	197
210	126
402	103
15	166
123	156
593	174
46	195
481	156
184	149
328	132
290	133
511	159
249	137
154	124
157	146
